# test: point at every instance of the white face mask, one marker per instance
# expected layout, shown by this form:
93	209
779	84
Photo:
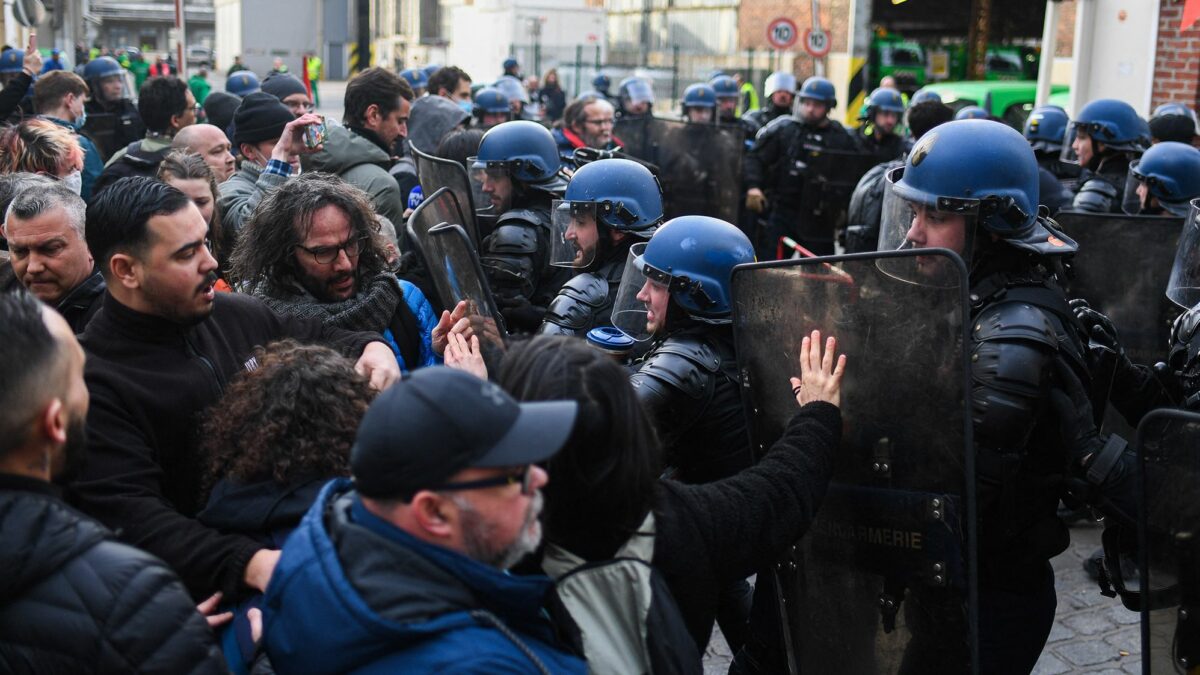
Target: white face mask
74	181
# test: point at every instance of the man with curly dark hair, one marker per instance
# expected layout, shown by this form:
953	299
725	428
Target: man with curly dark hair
280	432
312	249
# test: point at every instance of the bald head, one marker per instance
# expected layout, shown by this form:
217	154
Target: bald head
210	143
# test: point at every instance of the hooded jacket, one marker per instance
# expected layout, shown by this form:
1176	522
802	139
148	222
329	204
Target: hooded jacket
400	605
72	600
363	164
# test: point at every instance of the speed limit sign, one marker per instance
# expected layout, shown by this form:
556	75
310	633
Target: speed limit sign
817	42
782	33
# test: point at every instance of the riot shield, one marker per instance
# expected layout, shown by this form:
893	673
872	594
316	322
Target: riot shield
1169	541
435	173
700	165
436	231
884	581
1122	270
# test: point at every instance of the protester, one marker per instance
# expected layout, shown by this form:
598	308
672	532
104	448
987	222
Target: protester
279	433
160	350
61	97
587	123
453	83
312	250
408	560
210	143
270	141
607	493
551	97
187	172
376	116
50	256
199	85
290	91
219	108
72	599
41	146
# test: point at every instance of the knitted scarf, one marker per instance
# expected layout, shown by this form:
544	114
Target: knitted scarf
371	309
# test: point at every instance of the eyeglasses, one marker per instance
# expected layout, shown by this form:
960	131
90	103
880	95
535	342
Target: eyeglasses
325	255
524	478
604	122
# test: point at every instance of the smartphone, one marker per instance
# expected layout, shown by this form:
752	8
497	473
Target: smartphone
315	134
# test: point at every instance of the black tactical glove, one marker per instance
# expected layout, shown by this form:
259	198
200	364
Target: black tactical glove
1102	334
520	315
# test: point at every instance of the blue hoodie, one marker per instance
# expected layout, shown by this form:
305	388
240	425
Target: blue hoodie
352	593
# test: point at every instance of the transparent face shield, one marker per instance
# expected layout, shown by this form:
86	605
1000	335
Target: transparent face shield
940	222
491	187
632	315
1183	288
637	97
1068	154
111	88
576	235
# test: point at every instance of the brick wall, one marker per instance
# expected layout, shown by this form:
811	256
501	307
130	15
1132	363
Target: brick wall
1177	60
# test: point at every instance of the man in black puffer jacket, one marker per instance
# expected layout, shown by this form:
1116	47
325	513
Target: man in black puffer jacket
72	599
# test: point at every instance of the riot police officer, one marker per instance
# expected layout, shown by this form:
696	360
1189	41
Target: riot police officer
780	90
877	133
514	90
417	79
972	187
727	91
1044	129
601	84
775	171
1103	138
491	108
113	121
635	97
972	112
676	294
609	205
517	170
699	104
1164	180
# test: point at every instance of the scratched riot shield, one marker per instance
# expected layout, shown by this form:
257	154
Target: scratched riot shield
1122	269
1169	541
884	580
700	165
435	173
436	230
830	179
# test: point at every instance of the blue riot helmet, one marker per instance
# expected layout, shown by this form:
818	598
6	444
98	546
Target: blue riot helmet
1170	173
106	80
521	151
242	83
636	96
884	100
491	107
430	69
12	62
727	91
1044	128
692	258
978	172
512	89
510	64
1108	121
819	89
601	83
972	112
619	194
1174	122
417	79
925	95
699	103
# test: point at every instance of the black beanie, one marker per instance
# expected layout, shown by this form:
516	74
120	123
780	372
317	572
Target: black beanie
220	106
283	85
261	117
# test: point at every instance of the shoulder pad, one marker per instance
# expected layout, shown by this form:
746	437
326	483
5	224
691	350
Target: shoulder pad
773	127
575	306
1014	322
512	237
685	364
1096	195
530	217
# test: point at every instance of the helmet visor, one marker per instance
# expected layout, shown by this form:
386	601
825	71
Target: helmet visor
491	186
1137	192
631	315
1148	195
111	88
1068	155
638	92
912	220
1183	288
576	234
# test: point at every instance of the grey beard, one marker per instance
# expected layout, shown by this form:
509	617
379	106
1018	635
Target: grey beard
477	535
